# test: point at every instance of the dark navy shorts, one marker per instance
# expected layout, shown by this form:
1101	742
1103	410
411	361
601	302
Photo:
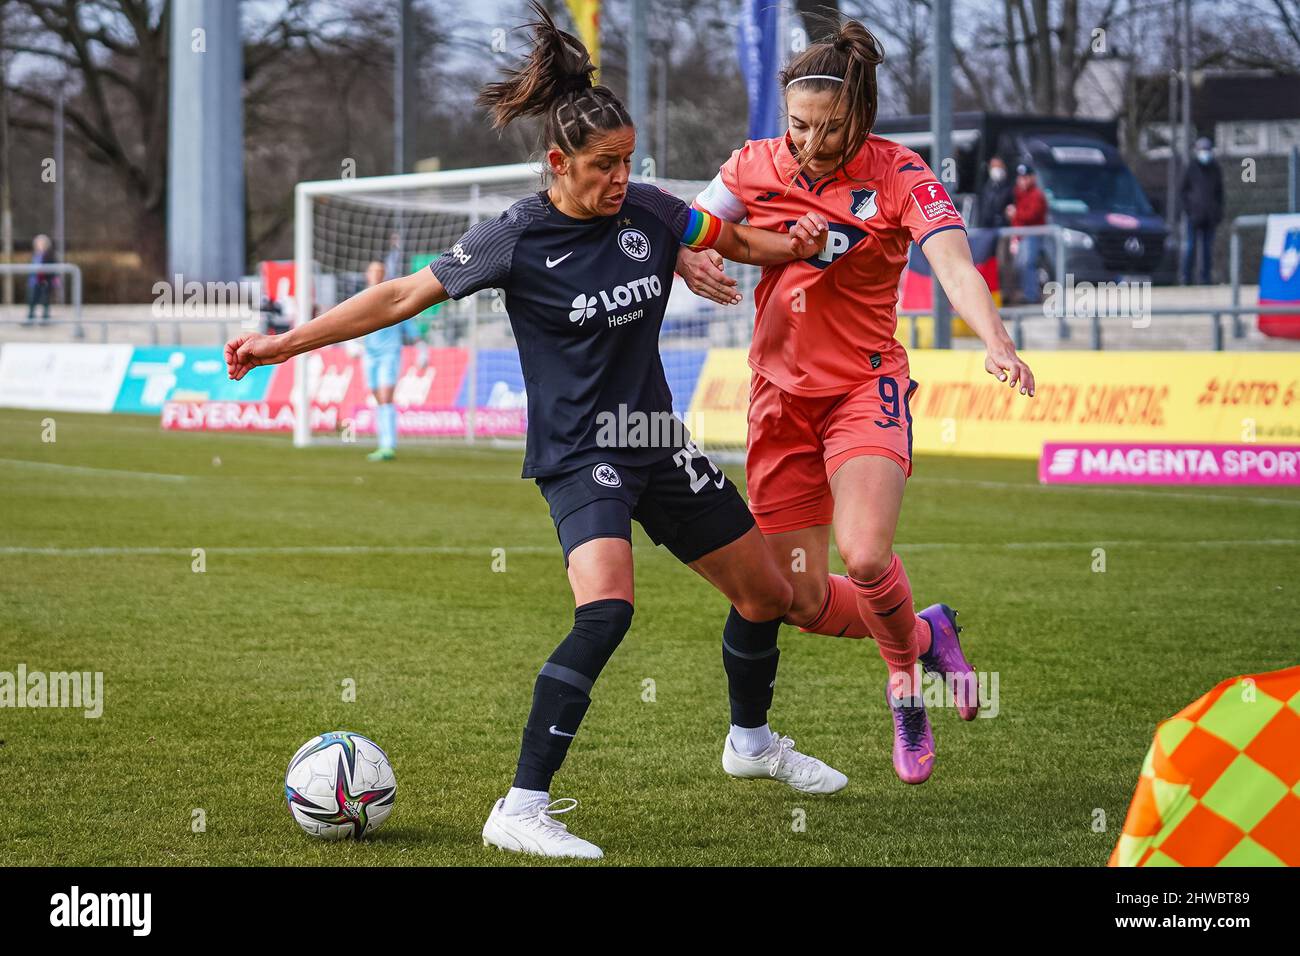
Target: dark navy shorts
683	501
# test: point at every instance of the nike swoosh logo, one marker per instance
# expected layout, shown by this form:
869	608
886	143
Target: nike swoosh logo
924	757
552	263
892	609
560	733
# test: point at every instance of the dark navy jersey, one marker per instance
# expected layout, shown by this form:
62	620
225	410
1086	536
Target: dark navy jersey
586	299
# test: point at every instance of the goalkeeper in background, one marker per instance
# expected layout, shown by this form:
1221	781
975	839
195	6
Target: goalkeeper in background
382	362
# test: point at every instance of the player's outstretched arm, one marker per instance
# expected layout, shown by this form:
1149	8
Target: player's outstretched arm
377	307
761	247
949	256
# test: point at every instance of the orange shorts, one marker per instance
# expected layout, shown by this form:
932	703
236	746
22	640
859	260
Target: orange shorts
796	444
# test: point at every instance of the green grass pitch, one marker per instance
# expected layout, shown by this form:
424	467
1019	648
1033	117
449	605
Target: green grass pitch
322	567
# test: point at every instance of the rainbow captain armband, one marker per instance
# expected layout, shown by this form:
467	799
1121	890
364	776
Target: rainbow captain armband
702	229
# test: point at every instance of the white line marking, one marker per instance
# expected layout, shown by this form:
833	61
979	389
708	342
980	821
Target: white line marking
1127	492
87	470
217	475
486	550
1066	545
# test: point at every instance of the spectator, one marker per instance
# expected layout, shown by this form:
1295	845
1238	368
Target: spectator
994	197
990	213
40	284
1028	209
1202	199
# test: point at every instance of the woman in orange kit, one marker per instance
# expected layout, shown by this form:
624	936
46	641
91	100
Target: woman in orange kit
830	423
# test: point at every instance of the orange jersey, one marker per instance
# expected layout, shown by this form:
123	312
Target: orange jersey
825	325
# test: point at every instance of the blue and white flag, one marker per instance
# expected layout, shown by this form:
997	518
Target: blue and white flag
1279	271
760	58
1279	275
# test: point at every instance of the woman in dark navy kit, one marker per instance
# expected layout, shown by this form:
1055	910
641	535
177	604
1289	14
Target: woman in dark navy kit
586	267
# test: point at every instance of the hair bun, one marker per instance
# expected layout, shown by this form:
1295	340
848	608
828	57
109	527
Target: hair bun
574	82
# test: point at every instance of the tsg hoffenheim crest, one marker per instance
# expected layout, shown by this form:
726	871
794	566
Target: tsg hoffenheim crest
863	203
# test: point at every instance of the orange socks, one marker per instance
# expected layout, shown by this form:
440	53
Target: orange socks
839	615
885	605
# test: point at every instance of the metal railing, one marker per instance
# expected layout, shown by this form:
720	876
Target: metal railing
737	328
1014	316
224	327
61	268
1056	235
1254	221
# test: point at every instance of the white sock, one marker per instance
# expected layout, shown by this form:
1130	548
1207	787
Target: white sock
517	801
387	425
750	741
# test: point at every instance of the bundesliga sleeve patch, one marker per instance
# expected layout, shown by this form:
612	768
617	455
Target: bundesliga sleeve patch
932	199
702	229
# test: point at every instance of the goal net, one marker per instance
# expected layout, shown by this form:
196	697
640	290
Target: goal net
461	381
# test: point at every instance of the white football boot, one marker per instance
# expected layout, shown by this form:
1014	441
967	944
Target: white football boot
780	761
536	831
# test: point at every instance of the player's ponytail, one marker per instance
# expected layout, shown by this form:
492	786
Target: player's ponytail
850	54
555	82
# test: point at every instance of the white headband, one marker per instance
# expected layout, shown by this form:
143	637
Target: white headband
815	76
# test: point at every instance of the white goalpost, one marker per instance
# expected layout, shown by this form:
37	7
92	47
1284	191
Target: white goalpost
341	225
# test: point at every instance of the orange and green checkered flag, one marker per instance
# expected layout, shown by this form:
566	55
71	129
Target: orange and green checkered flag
1221	783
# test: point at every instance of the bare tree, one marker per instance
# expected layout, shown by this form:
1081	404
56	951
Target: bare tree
1043	48
1248	34
112	57
317	95
903	26
114	53
1288	16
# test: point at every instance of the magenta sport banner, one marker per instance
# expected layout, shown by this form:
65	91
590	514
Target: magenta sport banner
1157	463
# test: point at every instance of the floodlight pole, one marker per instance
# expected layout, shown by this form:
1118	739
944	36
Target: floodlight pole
403	86
205	151
1171	172
60	178
6	207
1185	55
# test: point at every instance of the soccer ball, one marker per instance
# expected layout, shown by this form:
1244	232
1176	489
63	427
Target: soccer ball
340	785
